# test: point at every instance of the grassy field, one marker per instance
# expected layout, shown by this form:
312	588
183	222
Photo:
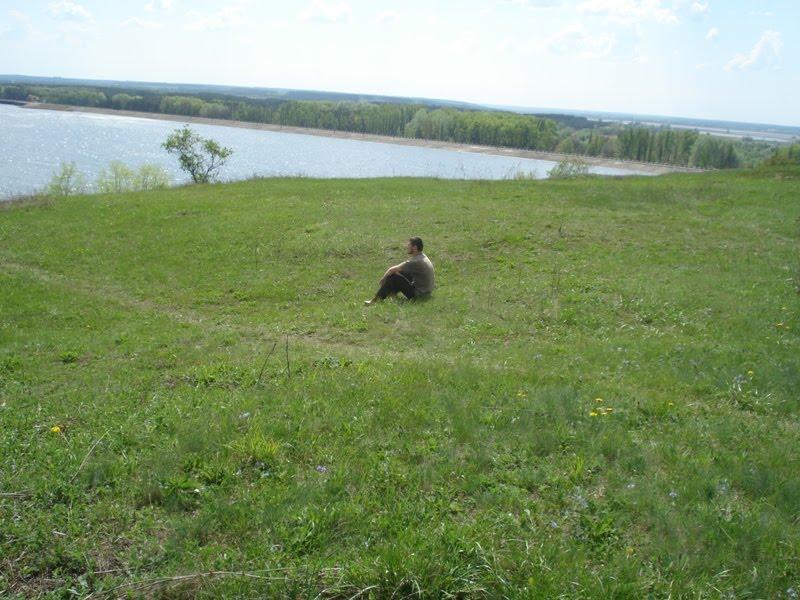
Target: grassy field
599	401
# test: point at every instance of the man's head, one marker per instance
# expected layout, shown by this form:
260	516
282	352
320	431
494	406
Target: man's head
414	245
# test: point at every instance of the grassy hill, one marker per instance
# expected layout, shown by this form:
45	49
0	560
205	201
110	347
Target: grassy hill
600	400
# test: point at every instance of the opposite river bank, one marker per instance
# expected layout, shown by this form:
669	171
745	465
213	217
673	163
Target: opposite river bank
628	165
35	143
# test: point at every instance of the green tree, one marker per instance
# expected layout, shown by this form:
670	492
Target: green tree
67	181
785	156
201	157
14	92
123	101
151	177
595	145
566	146
118	177
713	152
569	167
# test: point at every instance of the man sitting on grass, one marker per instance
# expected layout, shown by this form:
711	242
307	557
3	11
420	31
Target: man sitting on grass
413	277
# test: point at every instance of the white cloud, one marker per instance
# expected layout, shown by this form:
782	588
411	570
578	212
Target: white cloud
158	4
534	3
21	20
326	11
136	22
576	41
225	18
698	8
629	11
712	33
19	16
69	10
766	50
388	16
462	45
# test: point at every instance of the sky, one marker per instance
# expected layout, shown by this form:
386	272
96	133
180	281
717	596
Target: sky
713	59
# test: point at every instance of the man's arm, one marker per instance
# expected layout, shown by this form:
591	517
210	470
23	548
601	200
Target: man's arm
392	270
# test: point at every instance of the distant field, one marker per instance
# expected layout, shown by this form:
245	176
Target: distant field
600	400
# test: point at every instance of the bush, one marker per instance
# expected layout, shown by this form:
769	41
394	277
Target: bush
151	177
786	156
570	167
67	181
200	157
121	178
117	178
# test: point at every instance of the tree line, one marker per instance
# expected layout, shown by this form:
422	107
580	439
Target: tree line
785	156
484	127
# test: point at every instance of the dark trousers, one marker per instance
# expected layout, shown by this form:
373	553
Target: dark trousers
396	282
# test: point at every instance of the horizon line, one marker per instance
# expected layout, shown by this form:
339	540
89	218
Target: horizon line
488	105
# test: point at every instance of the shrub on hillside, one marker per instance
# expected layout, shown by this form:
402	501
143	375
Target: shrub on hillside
569	167
525	175
786	156
67	181
151	177
118	177
200	157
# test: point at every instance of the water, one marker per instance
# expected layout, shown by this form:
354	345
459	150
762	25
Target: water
33	144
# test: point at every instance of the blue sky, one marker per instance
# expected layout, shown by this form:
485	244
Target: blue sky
695	58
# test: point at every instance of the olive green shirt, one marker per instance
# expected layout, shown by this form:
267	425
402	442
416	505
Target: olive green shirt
420	270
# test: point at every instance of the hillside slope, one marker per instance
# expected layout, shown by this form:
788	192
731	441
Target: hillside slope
600	400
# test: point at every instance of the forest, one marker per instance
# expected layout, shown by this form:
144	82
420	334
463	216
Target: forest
559	133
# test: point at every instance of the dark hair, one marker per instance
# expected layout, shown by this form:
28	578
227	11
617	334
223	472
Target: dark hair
415	241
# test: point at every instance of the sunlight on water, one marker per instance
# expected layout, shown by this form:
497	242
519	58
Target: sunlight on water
35	142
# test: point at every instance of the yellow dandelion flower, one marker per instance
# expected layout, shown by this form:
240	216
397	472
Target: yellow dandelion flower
592	414
670	403
750	373
55	429
598	400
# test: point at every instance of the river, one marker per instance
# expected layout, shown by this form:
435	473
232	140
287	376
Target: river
34	143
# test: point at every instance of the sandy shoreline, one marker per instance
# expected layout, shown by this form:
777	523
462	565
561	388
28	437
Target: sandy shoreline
630	165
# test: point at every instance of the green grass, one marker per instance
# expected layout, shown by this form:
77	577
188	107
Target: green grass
599	401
